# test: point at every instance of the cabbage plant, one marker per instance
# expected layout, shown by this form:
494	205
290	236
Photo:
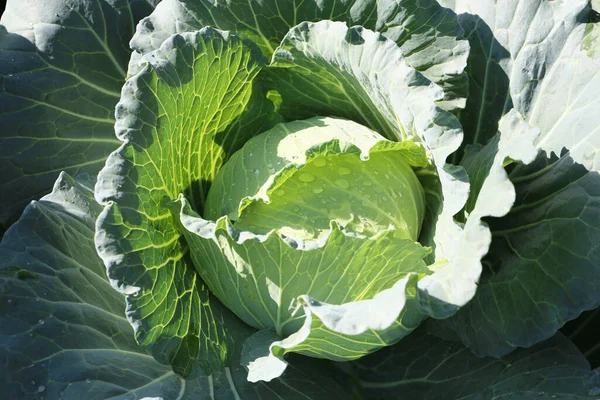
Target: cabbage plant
303	200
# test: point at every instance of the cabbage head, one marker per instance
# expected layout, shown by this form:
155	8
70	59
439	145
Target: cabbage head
304	199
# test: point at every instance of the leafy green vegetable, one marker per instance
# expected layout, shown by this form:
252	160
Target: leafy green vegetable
275	254
293	186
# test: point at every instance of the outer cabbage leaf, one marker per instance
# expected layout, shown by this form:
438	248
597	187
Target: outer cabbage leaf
179	118
62	65
423	367
521	53
268	271
543	261
62	329
430	36
580	331
544	256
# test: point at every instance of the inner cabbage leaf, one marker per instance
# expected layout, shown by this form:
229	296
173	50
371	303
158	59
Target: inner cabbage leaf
301	175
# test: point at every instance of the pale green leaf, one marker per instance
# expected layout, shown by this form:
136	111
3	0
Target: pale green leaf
300	176
528	54
180	117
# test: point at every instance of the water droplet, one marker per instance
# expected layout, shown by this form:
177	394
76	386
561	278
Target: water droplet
61	393
377	189
393	194
256	171
41	389
317	189
37	299
280	192
88	380
344	184
589	154
33	382
344	171
368	183
306	177
10	300
319	162
250	155
296	209
41	322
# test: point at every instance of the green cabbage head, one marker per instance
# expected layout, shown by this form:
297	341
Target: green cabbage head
315	177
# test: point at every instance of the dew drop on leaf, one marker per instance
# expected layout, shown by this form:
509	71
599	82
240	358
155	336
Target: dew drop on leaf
305	177
344	184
